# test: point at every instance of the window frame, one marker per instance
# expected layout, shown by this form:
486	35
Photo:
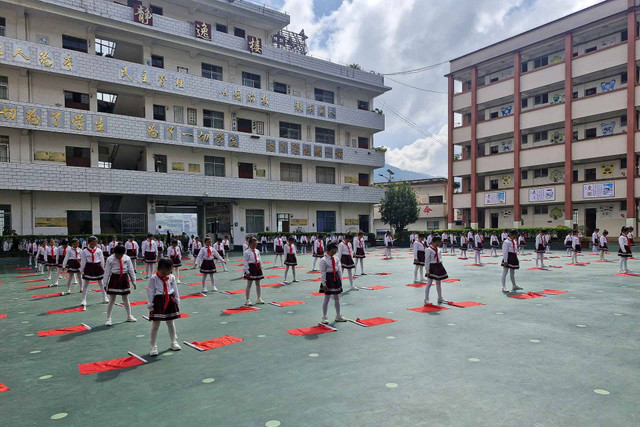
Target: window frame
157	61
325	172
255	215
324	95
253	78
67	39
159	112
215	122
211	73
6	147
213	165
288	129
325	136
290	172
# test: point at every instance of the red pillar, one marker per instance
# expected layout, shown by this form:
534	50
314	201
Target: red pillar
517	138
474	143
631	114
568	128
450	217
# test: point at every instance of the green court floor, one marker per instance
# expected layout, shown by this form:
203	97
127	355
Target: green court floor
560	360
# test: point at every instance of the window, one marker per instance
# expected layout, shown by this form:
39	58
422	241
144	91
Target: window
280	87
258	127
493	80
4	148
4	87
540	136
590	91
493	184
157	61
245	125
325	175
159	112
178	113
5	219
78	156
436	200
326	221
214	166
238	32
433	225
132	3
106	102
623	120
183	70
541	99
623	77
363	105
211	71
251	80
363	142
79	222
524	138
290	172
323	95
104	48
575	176
590	133
540	173
624	35
575	135
222	28
290	130
160	162
3	26
156	10
575	95
590	174
245	170
525	67
74	43
213	119
76	100
539	210
363	179
524	175
525	210
623	163
525	102
493	115
623	205
255	220
591	49
493	149
325	136
192	116
540	62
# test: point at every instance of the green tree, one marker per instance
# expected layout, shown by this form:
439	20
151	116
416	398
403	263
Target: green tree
355	66
399	206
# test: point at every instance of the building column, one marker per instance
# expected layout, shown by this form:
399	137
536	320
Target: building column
151	216
95	214
450	216
568	130
26	213
474	147
517	140
631	115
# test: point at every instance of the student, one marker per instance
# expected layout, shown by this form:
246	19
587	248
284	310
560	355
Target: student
32	249
318	251
436	270
92	268
227	248
429	238
625	250
547	241
71	263
419	256
61	253
160	244
464	244
206	259
175	253
471	240
196	246
540	249
163	304
522	243
603	244
132	248
112	245
291	260
345	255
41	257
252	270
245	245
412	238
575	247
567	243
102	246
360	255
303	244
219	247
331	275
630	236
510	261
278	249
478	246
595	240
504	236
119	275
388	244
150	252
263	243
51	257
454	243
445	241
494	244
190	245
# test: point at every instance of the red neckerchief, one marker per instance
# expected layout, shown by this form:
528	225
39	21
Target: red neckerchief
92	252
121	267
64	252
333	264
165	290
348	248
208	250
75	250
436	251
514	244
255	257
291	249
320	246
360	243
627	238
52	255
423	245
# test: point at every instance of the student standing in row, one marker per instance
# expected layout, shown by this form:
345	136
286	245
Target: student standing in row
464	244
630	236
603	245
436	270
568	243
175	253
112	245
92	268
303	244
51	258
196	246
595	240
494	244
163	304
478	246
575	247
61	253
331	275
278	248
625	250
32	249
71	263
253	270
388	244
119	275
160	244
359	245
318	251
263	243
132	248
454	243
540	249
419	256
227	248
291	261
510	262
219	247
522	243
345	255
445	241
206	259
150	253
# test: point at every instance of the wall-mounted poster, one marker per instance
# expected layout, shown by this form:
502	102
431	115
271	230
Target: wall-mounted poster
499	198
298	222
599	190
542	194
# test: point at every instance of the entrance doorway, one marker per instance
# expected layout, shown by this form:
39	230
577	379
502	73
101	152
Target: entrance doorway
283	223
590	220
364	223
494	220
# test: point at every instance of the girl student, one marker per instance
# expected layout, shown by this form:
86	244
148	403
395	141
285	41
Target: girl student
71	263
150	252
111	246
196	246
567	243
219	247
625	250
575	247
303	244
510	262
227	248
175	253
360	255
52	258
132	248
445	241
41	256
263	243
206	258
454	243
603	245
252	270
291	259
163	304
388	244
318	251
522	243
345	254
119	275
61	253
331	275
436	270
540	249
32	249
494	244
278	249
92	268
463	246
478	246
160	245
419	257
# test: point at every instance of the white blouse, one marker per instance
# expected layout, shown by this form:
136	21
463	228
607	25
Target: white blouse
327	267
204	255
149	246
112	266
249	257
87	256
155	286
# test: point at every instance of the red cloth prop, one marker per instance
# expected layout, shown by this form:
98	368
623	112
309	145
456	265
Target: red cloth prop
451	280
376	288
272	285
36	287
528	295
59	294
35	280
428	308
3	388
3	316
133	303
63	331
26	275
214	343
580	263
273	276
374	321
463	304
553	292
240	310
109	365
313	272
287	303
239	291
626	275
319	279
417	285
463	258
317	294
278	268
382	274
555	266
475	265
66	310
314	330
191	296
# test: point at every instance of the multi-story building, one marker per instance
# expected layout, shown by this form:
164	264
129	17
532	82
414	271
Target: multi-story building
432	202
114	111
543	126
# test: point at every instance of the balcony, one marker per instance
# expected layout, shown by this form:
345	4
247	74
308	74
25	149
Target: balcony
461	167
461	200
462	101
596	148
542	155
543	76
461	134
601	103
542	116
497	90
599	60
532	195
495	162
620	191
480	199
494	127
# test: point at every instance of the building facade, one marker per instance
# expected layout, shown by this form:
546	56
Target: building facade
432	202
543	126
112	112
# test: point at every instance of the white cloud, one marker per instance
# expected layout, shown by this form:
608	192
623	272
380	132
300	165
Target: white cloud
432	155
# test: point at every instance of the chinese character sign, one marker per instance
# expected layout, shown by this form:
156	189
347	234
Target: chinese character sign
255	44
203	31
142	15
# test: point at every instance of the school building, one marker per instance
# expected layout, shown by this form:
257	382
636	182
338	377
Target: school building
543	126
112	112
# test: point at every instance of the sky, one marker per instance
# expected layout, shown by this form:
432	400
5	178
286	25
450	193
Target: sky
398	35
